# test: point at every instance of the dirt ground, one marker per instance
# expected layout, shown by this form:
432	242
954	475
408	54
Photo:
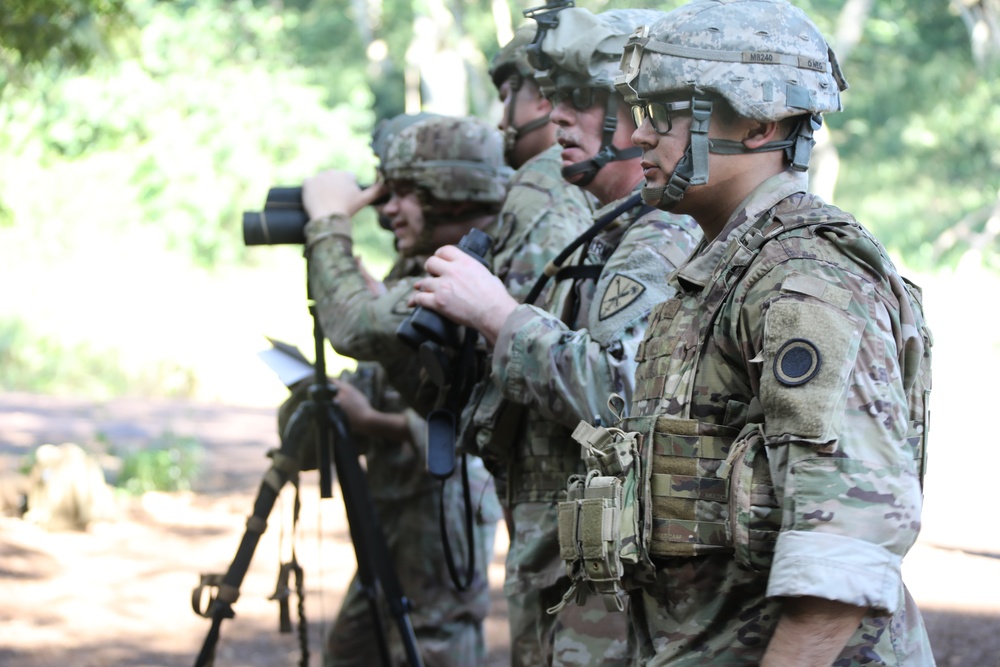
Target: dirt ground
119	593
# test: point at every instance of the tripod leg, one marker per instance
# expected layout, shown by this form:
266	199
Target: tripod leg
374	559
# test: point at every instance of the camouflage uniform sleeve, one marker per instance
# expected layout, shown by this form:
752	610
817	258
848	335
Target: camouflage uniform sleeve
541	215
358	323
824	340
567	375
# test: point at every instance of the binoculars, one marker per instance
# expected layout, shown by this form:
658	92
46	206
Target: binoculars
425	325
283	219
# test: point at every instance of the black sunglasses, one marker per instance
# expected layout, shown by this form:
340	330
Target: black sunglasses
580	98
660	114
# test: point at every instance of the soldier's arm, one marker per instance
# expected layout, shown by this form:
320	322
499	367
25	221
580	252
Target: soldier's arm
829	384
811	632
365	419
567	375
358	322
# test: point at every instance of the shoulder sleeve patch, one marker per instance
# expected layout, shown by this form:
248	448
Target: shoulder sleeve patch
620	293
400	307
810	351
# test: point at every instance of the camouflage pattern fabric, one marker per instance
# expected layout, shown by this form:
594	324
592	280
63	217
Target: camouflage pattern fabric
512	58
454	159
562	361
579	635
389	128
765	57
813	345
447	623
541	215
586	48
359	323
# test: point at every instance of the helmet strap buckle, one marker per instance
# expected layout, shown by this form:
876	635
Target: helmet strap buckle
701	116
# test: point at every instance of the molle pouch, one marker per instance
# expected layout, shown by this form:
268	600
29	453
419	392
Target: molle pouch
600	522
687	498
754	515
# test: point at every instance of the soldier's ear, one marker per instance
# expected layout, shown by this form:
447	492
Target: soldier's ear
759	133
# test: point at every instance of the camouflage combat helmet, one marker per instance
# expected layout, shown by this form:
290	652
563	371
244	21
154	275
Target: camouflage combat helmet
451	159
765	58
388	128
512	58
511	62
577	52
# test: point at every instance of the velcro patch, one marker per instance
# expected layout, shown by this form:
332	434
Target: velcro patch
810	348
620	293
817	287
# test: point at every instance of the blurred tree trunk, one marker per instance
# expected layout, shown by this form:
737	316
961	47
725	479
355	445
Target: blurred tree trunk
982	20
825	165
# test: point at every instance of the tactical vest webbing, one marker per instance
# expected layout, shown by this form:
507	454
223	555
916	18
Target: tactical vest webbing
706	487
540	475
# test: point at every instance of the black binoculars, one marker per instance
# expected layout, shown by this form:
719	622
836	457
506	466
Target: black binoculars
425	325
282	220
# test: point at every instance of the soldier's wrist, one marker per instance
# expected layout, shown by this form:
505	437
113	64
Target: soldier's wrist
327	227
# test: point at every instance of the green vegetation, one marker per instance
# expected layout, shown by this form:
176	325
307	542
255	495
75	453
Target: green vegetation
134	132
168	463
48	365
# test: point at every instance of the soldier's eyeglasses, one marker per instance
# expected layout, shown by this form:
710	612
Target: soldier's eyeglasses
580	98
660	114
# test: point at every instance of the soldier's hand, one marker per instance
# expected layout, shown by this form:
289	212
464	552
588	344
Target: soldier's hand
336	192
464	291
356	406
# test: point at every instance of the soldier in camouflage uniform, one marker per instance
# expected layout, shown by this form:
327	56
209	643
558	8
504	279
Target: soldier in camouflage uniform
771	460
560	361
426	206
541	215
447	623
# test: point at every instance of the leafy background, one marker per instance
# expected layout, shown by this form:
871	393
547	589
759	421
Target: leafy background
133	133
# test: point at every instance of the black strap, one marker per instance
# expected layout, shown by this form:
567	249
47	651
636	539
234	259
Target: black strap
556	264
458	395
461	584
580	272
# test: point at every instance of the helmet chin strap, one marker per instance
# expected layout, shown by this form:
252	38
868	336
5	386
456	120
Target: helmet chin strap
513	133
692	169
665	197
607	153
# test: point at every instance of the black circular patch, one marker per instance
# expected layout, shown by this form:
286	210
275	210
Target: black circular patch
797	362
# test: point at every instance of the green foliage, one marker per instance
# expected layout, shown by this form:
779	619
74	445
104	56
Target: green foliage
46	364
56	35
917	137
208	114
168	463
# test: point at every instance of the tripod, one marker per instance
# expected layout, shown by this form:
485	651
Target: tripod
334	447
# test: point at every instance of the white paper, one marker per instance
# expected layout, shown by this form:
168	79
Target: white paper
291	366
